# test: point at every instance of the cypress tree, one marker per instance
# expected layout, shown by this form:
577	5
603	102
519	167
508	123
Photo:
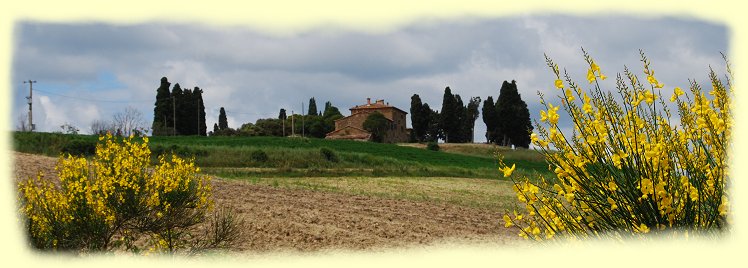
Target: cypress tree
489	118
458	135
513	125
418	118
187	114
312	107
197	95
448	116
223	123
162	112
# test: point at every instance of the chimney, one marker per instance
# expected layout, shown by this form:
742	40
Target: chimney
380	101
368	101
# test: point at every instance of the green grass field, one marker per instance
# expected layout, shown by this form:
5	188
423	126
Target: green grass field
304	157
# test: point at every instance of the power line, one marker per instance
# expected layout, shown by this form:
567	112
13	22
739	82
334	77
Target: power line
93	100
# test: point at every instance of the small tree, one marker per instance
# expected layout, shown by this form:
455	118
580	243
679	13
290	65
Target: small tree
129	122
377	125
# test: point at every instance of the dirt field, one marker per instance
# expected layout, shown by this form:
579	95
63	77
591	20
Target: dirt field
279	219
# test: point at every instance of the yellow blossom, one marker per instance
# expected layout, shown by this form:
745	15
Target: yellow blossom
508	171
559	83
507	221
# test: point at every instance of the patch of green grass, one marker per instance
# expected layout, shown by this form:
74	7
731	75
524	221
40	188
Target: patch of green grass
301	157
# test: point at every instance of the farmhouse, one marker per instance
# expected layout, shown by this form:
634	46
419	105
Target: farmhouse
351	127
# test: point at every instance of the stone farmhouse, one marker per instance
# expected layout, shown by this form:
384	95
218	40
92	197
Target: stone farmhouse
351	127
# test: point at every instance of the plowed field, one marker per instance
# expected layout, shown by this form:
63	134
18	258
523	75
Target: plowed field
282	219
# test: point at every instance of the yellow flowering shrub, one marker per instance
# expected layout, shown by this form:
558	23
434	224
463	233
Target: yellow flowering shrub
115	199
629	167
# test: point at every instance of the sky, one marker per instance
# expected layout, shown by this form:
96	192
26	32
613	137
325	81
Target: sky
90	71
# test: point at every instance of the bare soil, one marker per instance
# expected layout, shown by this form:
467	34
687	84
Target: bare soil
278	219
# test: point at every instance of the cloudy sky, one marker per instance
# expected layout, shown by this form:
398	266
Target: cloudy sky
89	71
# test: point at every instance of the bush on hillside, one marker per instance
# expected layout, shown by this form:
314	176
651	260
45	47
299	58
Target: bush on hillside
328	154
259	156
118	198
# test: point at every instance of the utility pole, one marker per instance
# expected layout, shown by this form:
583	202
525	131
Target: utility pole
302	119
31	92
292	124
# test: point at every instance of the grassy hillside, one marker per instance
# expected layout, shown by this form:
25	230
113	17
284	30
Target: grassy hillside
294	157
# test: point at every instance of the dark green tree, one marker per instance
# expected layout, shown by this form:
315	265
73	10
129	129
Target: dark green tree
377	125
162	112
215	128
449	116
282	114
459	135
513	124
316	126
178	94
419	118
329	116
331	112
223	122
489	118
187	113
197	95
312	107
268	127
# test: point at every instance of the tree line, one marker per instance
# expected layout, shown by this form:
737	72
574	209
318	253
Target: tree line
178	111
507	120
182	112
314	123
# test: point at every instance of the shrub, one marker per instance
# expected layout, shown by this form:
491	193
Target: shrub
328	154
631	169
259	156
115	199
433	146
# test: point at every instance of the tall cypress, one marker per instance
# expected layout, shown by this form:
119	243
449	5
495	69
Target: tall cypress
489	118
187	114
223	122
162	112
448	116
197	95
418	118
312	107
458	135
513	125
